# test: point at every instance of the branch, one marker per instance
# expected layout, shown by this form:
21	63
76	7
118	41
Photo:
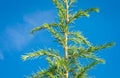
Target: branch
72	2
85	69
44	26
61	9
78	35
51	29
40	53
81	13
92	10
77	52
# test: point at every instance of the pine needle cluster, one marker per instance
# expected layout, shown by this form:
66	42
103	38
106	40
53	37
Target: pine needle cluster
76	46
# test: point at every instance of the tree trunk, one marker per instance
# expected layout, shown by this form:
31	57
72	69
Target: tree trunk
66	39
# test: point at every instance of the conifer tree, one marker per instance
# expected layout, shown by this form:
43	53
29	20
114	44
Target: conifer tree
76	46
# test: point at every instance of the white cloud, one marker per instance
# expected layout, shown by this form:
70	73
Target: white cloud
18	35
1	56
18	39
39	17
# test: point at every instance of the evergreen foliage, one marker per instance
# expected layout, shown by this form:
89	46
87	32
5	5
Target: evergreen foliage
76	46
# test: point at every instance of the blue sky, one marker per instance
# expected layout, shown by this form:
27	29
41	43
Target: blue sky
18	17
